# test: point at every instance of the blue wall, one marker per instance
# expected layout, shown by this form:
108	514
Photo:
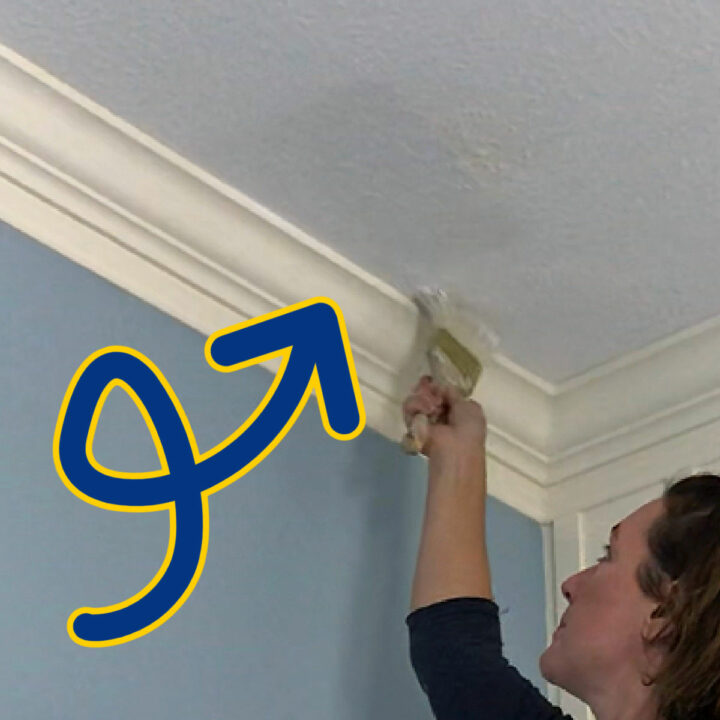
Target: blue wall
299	612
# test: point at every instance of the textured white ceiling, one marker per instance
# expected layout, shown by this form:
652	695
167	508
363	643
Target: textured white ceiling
558	162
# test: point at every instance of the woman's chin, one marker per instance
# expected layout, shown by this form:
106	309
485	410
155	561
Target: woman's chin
546	660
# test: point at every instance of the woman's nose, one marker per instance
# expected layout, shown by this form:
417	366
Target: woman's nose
568	588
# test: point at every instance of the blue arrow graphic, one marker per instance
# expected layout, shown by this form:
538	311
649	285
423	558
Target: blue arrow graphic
312	338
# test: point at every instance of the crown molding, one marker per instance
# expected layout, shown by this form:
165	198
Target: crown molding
112	199
140	227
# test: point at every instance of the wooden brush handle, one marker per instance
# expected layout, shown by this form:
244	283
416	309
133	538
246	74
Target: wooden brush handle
413	441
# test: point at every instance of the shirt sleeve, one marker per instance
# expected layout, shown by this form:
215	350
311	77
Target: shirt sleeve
456	653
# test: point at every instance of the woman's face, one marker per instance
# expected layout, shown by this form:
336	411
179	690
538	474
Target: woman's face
600	645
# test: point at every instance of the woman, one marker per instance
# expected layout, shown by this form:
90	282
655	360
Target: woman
640	638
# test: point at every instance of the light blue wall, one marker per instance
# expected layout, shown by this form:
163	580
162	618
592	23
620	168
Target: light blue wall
299	612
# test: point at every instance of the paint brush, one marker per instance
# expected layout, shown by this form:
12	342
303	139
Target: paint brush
457	344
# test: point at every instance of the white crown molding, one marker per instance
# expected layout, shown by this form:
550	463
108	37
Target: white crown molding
105	195
114	200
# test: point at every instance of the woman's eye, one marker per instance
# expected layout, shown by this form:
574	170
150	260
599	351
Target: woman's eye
607	553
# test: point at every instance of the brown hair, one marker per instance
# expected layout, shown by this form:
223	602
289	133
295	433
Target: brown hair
682	573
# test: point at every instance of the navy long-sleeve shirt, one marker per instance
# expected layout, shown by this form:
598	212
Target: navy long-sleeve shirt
456	653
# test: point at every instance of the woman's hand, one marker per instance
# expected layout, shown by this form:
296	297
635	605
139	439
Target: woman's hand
457	429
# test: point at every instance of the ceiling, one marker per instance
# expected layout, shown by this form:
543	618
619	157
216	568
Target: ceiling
556	163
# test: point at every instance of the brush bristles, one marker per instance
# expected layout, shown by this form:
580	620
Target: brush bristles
453	362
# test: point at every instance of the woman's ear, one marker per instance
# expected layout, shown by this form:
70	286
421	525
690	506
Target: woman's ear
656	626
654	632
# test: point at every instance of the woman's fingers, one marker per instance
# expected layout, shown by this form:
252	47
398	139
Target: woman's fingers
422	401
417	405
